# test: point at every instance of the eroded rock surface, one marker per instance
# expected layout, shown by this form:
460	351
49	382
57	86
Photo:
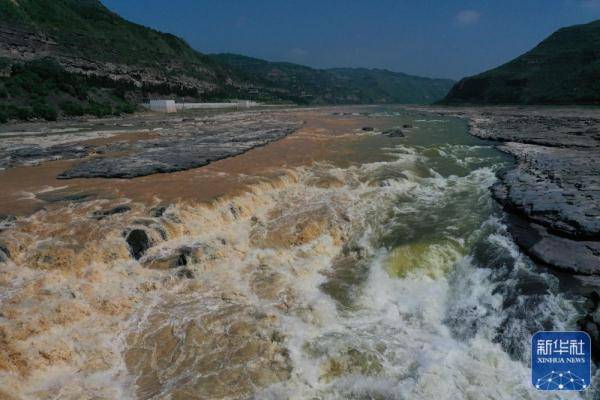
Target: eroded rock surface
166	144
552	193
554	188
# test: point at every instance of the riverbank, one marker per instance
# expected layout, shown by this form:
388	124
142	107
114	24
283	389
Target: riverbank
552	194
360	256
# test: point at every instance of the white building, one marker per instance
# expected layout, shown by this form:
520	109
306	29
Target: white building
168	106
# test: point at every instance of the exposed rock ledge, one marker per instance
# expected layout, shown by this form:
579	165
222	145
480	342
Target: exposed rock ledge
554	190
552	194
167	144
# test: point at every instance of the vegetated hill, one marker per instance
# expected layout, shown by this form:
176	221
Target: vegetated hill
75	57
337	85
563	69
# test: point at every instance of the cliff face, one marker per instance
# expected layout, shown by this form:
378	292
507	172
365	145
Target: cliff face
87	38
563	69
76	57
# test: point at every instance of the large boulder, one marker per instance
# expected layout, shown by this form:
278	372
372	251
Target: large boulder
138	241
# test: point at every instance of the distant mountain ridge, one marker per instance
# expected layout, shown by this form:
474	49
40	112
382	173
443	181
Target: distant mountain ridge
562	69
337	85
74	57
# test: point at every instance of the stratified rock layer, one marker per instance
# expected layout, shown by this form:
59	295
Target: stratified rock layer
172	144
552	194
554	188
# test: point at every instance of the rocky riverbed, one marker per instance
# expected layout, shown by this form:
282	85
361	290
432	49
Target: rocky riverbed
361	256
172	144
552	194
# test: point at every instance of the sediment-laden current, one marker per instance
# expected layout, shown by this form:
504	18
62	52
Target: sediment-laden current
380	269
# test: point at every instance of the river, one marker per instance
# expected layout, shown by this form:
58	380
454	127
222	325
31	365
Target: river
383	271
428	298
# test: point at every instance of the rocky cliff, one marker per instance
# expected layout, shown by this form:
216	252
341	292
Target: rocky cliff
75	57
563	69
87	38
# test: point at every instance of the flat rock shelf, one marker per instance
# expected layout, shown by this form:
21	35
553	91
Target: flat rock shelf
171	145
553	191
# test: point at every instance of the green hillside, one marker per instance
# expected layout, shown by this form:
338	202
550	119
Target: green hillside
87	29
76	57
563	69
337	85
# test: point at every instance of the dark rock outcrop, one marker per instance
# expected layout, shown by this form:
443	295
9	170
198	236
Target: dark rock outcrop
553	191
573	256
37	154
190	146
4	253
157	211
185	273
102	214
138	241
178	258
6	221
393	133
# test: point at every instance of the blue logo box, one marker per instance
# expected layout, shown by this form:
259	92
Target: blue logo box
561	361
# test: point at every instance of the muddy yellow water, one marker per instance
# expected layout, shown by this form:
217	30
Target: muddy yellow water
323	137
336	263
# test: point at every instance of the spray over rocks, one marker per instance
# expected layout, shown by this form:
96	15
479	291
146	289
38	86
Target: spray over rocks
387	273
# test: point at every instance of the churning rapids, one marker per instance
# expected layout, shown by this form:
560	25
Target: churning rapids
387	276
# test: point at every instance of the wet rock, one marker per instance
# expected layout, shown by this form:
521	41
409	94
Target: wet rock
101	214
185	273
6	221
590	323
393	133
138	242
178	258
157	211
4	253
152	224
235	212
37	154
553	190
186	150
182	144
407	126
556	188
368	128
581	257
64	196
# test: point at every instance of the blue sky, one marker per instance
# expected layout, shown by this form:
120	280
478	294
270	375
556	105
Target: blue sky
443	38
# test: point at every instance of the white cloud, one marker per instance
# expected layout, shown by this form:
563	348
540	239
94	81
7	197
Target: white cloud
467	17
